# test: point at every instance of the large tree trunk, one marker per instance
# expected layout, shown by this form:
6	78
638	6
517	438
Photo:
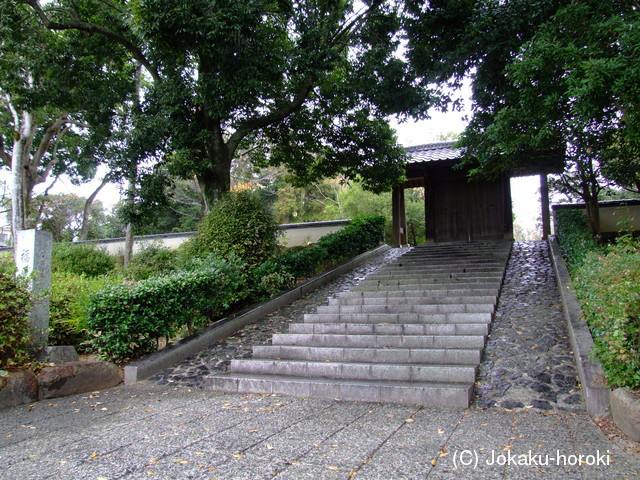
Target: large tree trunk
593	215
216	180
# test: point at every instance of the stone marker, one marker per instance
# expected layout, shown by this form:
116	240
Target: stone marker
34	255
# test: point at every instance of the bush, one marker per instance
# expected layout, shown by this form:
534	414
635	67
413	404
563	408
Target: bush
81	259
305	262
362	234
152	260
15	329
68	308
574	238
127	320
269	279
241	224
608	288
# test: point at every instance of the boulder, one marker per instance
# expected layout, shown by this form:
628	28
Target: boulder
78	377
59	354
625	409
18	387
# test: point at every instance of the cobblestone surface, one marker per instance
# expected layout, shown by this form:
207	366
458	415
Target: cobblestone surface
528	361
218	356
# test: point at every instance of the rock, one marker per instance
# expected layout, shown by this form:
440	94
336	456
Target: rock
625	409
78	377
18	387
511	404
61	354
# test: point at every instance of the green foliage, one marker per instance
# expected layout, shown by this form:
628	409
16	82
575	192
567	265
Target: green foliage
361	235
304	263
608	287
127	320
354	201
15	302
574	238
240	224
152	260
271	278
81	259
68	307
315	81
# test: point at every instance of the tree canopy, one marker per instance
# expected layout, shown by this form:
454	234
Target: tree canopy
305	84
58	94
554	82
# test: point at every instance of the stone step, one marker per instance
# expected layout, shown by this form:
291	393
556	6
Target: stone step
380	341
390	329
429	277
411	268
356	371
406	393
398	318
426	287
417	300
370	355
431	294
435	280
408	308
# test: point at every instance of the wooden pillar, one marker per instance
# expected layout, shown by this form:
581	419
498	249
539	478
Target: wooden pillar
429	212
508	207
544	202
399	219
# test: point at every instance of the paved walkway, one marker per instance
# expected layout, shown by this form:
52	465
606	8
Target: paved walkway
177	431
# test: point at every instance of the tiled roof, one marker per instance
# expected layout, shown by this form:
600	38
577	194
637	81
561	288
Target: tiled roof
433	152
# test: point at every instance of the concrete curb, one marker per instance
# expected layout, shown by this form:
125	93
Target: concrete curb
178	351
596	393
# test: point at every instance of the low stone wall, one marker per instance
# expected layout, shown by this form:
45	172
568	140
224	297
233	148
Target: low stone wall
596	393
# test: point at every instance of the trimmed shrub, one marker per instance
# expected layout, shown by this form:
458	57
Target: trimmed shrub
15	329
128	320
241	224
81	259
608	287
152	260
68	307
361	235
305	262
269	279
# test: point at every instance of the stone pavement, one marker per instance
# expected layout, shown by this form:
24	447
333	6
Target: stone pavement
170	429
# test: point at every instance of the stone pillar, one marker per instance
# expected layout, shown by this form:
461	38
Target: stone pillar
33	254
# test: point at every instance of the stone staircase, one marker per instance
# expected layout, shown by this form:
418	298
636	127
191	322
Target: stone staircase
411	333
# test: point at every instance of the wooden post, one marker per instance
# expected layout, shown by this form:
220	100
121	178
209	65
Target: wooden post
429	212
544	202
403	219
397	195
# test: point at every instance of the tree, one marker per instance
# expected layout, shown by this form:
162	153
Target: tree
305	84
54	114
553	80
63	216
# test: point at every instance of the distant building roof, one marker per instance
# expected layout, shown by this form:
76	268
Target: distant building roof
433	152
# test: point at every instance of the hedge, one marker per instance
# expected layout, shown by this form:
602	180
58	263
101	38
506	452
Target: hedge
129	319
608	288
360	235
